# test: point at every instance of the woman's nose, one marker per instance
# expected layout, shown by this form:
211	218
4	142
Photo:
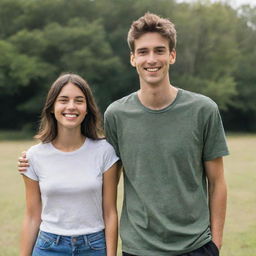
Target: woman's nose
71	104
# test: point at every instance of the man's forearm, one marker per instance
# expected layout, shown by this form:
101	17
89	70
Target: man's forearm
218	202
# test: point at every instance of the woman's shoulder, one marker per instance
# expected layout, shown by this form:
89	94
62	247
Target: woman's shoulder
37	148
101	144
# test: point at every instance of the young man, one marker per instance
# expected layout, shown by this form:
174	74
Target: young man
171	143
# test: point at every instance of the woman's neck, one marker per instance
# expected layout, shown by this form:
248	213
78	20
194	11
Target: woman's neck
68	141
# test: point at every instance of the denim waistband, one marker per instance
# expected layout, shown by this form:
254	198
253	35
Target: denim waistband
71	239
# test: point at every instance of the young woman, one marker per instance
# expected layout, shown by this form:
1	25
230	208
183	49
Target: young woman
71	181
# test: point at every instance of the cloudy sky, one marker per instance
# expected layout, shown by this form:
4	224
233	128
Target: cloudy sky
234	3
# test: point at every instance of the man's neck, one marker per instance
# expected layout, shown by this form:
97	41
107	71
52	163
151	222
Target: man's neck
157	97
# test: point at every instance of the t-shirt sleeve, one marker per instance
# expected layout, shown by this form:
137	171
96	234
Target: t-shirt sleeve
31	170
109	158
111	130
215	144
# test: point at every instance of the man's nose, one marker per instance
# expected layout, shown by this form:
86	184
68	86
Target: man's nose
151	58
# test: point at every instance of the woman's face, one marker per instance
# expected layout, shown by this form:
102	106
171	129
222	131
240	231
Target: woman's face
70	107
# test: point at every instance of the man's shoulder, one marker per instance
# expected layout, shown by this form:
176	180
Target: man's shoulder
198	99
121	104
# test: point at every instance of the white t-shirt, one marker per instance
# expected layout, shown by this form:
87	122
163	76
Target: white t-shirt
71	185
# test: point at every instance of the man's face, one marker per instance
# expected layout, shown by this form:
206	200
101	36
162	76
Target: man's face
152	58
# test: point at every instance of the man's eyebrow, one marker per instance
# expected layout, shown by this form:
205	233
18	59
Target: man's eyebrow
157	47
140	49
160	47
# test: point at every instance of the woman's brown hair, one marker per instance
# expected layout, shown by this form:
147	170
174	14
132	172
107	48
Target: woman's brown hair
91	126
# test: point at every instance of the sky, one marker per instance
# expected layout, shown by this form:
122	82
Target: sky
234	3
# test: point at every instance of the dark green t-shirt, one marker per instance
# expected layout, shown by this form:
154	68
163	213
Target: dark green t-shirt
165	209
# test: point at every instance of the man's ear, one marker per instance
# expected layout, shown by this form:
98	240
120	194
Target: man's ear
172	57
132	59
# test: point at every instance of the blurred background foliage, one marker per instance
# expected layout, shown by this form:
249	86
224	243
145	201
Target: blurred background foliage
40	39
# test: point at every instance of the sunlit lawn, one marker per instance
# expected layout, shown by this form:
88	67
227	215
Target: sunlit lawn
240	229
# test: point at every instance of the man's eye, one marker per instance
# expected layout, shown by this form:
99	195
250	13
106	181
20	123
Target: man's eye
160	51
142	52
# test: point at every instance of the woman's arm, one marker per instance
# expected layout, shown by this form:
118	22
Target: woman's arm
32	218
110	181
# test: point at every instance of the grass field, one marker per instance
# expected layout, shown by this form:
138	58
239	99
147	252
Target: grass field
240	167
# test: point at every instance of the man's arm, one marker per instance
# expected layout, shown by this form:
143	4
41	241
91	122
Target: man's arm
217	190
23	162
111	136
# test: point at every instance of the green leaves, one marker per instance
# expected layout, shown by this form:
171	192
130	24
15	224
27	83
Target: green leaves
216	51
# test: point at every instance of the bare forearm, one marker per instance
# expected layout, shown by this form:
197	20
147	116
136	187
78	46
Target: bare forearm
218	202
28	235
111	233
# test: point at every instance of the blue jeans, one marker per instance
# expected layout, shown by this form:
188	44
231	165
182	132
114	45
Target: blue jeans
48	244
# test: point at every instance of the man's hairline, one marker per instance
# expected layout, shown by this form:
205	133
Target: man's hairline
132	51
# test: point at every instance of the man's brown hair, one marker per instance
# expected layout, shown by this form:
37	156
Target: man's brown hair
152	23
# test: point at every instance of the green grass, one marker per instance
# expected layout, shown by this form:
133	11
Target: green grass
239	236
16	135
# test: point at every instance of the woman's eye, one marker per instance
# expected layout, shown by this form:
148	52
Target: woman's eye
62	100
79	101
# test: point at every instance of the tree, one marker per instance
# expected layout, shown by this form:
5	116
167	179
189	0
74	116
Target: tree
39	39
207	51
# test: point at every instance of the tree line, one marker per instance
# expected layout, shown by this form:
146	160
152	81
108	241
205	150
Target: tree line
40	39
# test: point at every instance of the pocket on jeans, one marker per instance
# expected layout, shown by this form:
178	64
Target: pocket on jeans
214	247
44	242
97	242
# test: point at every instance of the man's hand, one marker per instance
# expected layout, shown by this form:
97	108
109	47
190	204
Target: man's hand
23	162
